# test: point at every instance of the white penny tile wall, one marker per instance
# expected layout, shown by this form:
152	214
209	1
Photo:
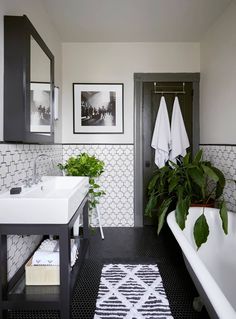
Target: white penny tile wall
117	206
16	165
224	158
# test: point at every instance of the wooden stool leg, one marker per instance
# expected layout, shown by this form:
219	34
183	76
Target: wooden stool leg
99	221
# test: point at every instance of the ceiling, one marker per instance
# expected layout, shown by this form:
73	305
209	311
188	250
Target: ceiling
133	20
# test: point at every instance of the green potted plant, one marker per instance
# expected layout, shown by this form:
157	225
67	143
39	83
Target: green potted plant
188	183
86	165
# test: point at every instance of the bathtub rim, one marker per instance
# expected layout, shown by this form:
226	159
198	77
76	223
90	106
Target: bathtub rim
200	270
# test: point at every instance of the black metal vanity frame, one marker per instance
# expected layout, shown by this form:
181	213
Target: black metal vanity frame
60	297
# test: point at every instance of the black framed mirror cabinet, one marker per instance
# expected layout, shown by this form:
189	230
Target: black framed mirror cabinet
28	84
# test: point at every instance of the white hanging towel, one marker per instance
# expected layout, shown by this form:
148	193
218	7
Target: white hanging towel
161	135
179	137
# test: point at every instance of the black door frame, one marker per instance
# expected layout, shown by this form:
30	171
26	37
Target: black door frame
139	79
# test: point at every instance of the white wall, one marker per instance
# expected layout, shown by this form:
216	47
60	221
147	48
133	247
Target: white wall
116	63
41	21
218	81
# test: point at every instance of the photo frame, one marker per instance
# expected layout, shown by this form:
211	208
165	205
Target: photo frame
98	108
40	110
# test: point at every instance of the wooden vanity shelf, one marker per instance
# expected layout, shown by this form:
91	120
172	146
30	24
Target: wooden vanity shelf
16	295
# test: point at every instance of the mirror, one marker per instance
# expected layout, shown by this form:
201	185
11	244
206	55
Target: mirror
29	73
40	90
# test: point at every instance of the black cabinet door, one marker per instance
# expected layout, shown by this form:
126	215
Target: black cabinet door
19	34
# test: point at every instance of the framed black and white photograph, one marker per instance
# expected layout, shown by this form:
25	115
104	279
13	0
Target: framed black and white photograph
98	108
40	112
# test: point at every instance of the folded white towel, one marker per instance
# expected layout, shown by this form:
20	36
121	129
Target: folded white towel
48	254
179	137
47	258
49	245
161	135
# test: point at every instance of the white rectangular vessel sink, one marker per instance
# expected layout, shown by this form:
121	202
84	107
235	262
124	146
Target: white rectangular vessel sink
52	201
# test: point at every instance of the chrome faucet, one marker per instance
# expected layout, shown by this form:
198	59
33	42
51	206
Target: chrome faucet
36	178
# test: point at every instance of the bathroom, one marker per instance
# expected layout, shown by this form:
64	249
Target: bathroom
199	38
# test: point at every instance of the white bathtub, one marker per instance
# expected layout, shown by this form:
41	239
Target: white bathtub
213	266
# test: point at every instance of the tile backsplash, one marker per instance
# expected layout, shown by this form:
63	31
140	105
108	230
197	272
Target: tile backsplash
17	162
117	206
224	158
16	165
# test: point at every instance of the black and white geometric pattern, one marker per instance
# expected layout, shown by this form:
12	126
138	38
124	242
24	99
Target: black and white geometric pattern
117	206
131	292
16	162
224	158
117	209
16	165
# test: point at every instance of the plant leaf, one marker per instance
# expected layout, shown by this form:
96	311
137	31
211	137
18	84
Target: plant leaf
162	213
210	173
200	231
153	181
186	159
224	217
197	157
181	211
220	176
197	176
173	165
152	202
221	183
173	183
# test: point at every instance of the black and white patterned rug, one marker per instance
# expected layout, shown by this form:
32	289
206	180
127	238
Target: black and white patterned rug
131	292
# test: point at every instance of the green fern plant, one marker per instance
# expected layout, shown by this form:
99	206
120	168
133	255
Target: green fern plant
86	165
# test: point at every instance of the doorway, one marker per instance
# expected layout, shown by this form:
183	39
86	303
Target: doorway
147	102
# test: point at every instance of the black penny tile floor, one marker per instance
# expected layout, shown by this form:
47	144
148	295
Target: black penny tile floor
129	245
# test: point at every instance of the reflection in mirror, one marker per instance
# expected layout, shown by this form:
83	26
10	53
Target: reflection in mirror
40	90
